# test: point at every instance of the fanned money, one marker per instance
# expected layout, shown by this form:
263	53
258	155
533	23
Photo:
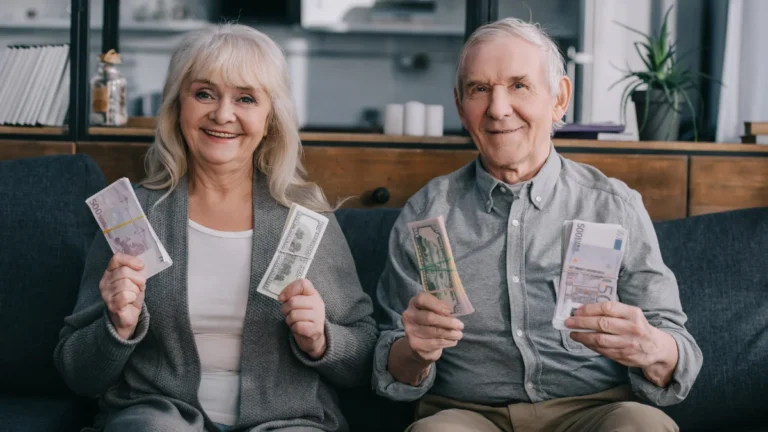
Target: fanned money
301	236
126	228
436	265
592	254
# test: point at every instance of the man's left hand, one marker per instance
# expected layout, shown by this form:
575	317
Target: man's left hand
623	334
304	312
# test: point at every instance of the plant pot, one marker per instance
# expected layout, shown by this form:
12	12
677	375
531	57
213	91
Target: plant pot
663	122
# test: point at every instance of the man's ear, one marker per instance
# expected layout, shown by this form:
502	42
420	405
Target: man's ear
562	100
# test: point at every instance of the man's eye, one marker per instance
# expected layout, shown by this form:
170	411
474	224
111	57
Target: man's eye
519	85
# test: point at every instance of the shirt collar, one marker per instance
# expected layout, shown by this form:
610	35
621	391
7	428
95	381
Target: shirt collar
542	184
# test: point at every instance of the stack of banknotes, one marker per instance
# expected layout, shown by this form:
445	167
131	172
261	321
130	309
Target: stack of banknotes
126	228
301	236
592	255
437	268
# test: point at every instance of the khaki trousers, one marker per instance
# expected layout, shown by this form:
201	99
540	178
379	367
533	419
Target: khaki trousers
613	410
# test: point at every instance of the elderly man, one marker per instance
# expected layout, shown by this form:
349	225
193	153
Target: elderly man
505	367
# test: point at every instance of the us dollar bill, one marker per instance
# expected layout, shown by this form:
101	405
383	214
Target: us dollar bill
591	262
126	228
300	238
437	268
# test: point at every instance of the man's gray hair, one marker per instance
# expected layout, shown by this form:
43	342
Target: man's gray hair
530	32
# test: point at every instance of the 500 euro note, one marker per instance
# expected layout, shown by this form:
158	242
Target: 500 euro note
126	228
436	265
592	259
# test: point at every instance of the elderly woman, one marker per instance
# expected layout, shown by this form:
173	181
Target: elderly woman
196	347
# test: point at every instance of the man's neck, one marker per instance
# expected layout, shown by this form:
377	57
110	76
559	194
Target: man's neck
521	171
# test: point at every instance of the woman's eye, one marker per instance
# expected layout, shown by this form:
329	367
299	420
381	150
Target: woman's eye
248	100
202	94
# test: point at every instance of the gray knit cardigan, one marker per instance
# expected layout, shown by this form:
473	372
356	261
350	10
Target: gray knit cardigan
280	385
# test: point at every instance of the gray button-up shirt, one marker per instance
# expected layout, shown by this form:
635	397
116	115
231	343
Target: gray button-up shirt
506	242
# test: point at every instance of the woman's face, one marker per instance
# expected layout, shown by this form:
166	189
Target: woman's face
223	125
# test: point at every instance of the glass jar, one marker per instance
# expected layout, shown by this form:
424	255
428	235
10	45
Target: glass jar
108	93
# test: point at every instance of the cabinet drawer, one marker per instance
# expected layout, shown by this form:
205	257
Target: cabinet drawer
396	174
727	183
661	180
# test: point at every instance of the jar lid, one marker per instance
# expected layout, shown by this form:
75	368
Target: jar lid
110	56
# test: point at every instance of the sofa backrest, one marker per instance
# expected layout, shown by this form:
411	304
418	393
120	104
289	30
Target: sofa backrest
45	232
721	263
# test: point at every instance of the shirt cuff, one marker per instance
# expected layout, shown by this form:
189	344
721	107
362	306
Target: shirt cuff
385	384
689	362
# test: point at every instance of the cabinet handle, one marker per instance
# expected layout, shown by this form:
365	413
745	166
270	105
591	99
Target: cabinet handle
378	196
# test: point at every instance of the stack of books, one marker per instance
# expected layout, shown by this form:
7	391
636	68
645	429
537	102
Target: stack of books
34	85
755	133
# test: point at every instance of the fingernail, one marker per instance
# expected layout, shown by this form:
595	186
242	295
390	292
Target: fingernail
569	322
460	325
446	311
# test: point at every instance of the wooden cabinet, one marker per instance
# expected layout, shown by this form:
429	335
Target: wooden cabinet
674	179
357	172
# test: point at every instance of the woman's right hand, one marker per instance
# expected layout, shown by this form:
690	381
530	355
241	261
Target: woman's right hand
122	289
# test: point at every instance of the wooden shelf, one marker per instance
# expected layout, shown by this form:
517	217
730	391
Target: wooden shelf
33	130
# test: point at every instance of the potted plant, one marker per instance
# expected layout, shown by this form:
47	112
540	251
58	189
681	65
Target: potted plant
660	92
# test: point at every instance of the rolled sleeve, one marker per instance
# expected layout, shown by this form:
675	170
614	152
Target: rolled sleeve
385	384
646	282
688	365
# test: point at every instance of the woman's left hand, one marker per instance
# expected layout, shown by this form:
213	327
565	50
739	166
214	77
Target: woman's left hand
304	312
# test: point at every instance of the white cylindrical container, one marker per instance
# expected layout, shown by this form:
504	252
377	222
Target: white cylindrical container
434	121
393	119
415	118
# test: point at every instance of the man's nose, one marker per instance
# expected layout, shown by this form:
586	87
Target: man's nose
500	104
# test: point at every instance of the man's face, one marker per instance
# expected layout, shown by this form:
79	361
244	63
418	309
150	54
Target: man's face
507	106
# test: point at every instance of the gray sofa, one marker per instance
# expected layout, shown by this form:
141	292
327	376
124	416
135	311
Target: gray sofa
720	260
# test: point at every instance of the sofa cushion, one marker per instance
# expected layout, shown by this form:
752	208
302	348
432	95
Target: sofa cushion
367	232
721	264
42	415
45	232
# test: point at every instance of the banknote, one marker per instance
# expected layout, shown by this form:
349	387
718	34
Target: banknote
300	238
591	261
126	227
437	268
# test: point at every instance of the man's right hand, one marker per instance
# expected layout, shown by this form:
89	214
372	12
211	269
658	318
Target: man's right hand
429	327
122	289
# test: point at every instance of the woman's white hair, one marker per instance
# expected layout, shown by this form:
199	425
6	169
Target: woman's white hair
529	32
245	57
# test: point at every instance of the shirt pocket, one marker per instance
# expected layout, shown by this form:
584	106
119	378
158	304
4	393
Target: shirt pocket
570	345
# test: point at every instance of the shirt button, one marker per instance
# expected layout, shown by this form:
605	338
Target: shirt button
488	203
529	385
538	199
515	279
503	189
519	332
515	222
